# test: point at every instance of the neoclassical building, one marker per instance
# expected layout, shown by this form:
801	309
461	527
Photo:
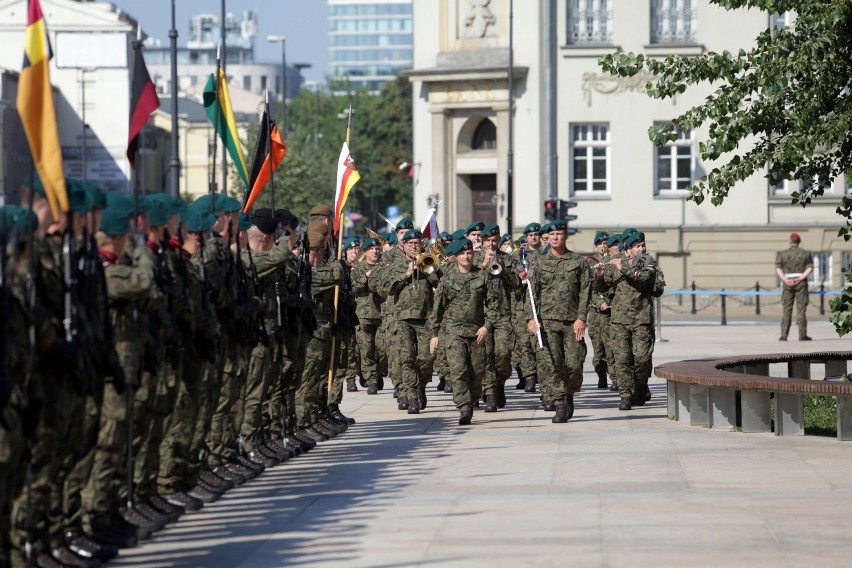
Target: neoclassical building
597	125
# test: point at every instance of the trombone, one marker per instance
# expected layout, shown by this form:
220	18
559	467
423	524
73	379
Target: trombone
373	234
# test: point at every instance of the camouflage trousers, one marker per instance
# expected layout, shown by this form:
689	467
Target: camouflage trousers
560	363
523	353
799	295
312	394
345	365
222	436
366	335
74	492
411	342
498	355
208	396
598	325
12	475
465	368
162	415
178	469
390	326
286	383
633	347
258	380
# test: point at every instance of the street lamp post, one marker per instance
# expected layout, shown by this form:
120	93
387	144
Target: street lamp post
174	163
283	40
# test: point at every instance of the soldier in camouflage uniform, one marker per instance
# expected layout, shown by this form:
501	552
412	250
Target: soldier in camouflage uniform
346	366
793	266
525	346
635	280
460	321
499	303
562	286
369	311
412	293
598	314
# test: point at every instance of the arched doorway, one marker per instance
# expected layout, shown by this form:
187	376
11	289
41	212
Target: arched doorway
477	167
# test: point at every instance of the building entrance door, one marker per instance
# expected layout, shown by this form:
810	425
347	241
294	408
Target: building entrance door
483	189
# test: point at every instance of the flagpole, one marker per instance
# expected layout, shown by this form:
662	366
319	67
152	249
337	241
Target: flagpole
339	257
212	186
271	169
223	64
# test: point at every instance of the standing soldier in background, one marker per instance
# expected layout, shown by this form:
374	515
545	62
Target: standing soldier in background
369	311
793	266
562	287
346	368
599	309
499	302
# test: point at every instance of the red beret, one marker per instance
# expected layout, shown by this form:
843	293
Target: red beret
795	237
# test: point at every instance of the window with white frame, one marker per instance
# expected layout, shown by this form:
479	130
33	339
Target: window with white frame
822	269
589	159
589	21
781	20
846	261
673	21
788	186
675	164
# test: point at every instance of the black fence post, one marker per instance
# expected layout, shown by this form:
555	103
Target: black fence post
757	301
822	298
724	309
693	297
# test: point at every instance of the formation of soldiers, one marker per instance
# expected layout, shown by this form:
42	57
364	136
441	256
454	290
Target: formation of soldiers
158	353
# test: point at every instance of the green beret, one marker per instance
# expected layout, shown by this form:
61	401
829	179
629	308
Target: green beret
199	221
387	236
462	245
490	231
392	239
412	234
115	221
124	202
522	239
504	238
445	236
227	203
613	239
14	218
558	225
532	228
370	242
475	226
629	230
245	222
350	242
545	228
601	236
633	239
98	197
203	204
35	184
457	235
404	223
80	200
158	211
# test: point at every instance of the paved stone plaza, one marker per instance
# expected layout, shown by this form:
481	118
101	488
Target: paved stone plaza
608	488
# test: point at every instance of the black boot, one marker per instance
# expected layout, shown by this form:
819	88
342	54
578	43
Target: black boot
442	383
402	403
501	394
334	411
490	403
561	415
569	405
372	390
549	406
613	387
601	371
531	381
465	417
82	545
396	392
413	405
522	383
625	403
362	381
421	399
448	387
351	386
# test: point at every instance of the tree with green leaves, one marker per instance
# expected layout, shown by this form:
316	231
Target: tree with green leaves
381	139
782	109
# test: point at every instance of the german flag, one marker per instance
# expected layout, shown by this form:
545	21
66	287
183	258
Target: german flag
143	101
37	112
270	146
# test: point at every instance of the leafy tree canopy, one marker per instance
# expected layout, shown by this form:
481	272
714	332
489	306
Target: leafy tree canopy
783	107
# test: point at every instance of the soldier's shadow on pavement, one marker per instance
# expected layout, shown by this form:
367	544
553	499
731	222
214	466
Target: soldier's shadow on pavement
313	509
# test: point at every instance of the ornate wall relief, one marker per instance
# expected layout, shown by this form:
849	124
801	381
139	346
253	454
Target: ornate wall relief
478	20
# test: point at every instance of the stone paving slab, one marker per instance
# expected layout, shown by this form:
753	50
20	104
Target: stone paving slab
607	489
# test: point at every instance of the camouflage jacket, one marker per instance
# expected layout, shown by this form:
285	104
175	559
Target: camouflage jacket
601	292
326	276
459	308
277	264
793	260
389	258
130	288
501	290
632	302
412	296
562	287
364	288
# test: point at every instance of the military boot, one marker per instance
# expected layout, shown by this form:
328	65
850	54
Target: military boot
549	405
522	383
351	386
465	417
625	403
334	411
402	403
442	383
531	381
601	371
490	403
66	557
561	415
449	387
569	405
613	387
501	394
413	406
396	392
422	398
372	390
82	545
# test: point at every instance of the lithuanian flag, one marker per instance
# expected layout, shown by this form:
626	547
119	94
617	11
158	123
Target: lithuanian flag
221	114
38	115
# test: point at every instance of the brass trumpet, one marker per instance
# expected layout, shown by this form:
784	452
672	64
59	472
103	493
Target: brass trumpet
431	259
513	246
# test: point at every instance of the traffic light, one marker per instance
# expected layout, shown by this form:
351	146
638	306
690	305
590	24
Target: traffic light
564	206
551	209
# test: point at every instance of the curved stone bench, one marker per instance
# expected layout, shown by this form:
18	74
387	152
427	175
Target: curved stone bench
703	391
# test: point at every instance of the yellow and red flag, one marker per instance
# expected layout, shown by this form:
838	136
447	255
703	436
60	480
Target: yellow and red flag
347	177
38	115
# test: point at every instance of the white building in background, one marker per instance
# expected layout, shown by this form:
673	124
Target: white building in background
197	59
606	163
369	41
92	46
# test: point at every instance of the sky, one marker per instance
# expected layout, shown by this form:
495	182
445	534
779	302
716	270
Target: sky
303	22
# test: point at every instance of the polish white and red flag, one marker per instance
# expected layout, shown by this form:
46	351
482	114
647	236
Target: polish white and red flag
430	227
